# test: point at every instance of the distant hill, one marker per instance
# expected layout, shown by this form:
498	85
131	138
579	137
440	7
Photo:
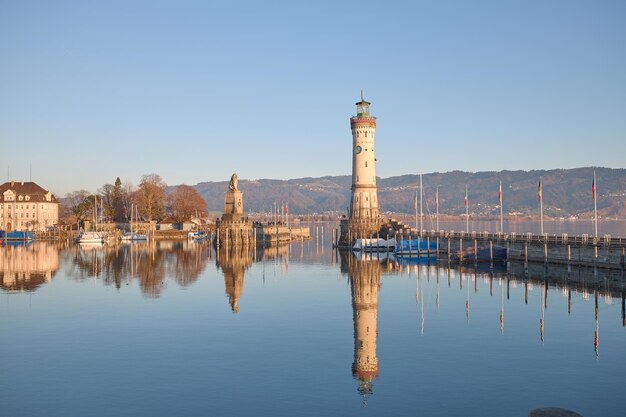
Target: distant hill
566	192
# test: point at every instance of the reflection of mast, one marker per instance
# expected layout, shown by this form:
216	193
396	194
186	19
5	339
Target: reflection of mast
437	271
541	322
364	284
595	337
467	302
501	306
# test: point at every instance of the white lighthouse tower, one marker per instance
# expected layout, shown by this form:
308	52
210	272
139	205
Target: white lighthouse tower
364	204
363	221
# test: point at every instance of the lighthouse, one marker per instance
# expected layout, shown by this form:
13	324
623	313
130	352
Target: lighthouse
363	219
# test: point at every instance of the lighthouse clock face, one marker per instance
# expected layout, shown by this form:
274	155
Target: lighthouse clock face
357	149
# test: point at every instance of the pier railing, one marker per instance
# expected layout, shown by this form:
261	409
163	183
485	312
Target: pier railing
562	239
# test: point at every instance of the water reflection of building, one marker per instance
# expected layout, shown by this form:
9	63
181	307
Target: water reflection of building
234	261
364	278
26	267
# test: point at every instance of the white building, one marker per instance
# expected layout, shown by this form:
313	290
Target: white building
27	206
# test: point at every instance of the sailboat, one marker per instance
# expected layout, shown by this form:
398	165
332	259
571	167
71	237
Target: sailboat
133	236
417	247
92	236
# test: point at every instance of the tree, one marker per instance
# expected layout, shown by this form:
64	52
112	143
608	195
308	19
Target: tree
78	202
106	193
185	202
118	201
151	197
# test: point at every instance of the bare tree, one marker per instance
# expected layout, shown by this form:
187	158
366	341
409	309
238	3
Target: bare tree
151	196
185	202
107	194
127	197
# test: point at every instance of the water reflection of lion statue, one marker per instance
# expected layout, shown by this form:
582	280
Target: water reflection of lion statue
232	186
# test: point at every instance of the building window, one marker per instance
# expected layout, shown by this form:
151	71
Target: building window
365	164
365	133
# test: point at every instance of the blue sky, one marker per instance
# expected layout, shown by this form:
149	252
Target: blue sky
195	91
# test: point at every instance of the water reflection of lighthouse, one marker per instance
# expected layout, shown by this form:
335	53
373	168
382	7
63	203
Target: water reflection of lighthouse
364	278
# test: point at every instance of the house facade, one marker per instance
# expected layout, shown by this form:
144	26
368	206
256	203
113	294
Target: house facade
27	206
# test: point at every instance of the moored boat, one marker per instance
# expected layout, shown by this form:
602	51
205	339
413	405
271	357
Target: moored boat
416	247
91	237
19	235
133	236
374	245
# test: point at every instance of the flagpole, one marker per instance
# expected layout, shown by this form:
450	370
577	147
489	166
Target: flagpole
466	211
437	204
421	208
415	207
541	204
501	217
595	204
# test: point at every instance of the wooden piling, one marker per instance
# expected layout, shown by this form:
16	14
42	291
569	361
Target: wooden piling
475	251
526	252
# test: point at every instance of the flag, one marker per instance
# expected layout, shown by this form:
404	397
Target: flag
500	193
593	186
539	190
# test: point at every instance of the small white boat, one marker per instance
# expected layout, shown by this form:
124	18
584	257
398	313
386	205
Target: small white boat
374	245
91	237
134	236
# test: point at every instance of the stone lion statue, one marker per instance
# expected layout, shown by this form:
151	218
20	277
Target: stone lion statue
234	179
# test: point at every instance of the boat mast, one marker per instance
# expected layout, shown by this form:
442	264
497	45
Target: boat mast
421	207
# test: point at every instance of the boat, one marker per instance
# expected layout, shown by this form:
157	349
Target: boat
132	236
374	245
128	236
416	247
18	235
91	237
482	254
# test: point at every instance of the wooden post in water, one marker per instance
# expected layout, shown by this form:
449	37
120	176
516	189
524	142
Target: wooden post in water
545	251
437	248
461	250
525	252
409	245
428	245
448	249
569	253
490	251
322	238
475	251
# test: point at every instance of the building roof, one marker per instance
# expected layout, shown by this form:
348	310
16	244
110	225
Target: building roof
26	189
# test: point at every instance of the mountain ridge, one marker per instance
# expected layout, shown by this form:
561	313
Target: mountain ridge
566	192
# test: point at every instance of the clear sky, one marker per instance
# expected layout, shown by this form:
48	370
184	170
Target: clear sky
195	91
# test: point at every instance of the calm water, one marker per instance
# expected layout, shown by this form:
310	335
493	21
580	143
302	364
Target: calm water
173	329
